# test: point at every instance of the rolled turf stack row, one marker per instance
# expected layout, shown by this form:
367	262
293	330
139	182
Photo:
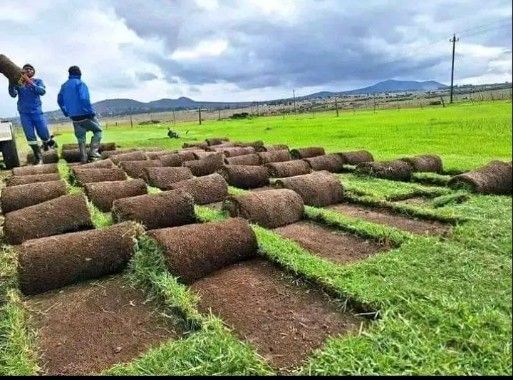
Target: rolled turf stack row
245	176
171	160
67	213
220	147
216	140
33	178
425	163
396	170
269	148
200	155
493	178
34	170
269	208
71	155
163	177
187	155
356	157
207	189
102	148
307	152
199	144
100	164
89	175
103	194
236	151
109	153
194	251
317	189
135	169
274	156
248	159
131	156
205	166
288	168
330	162
49	157
166	209
155	155
257	145
56	261
17	197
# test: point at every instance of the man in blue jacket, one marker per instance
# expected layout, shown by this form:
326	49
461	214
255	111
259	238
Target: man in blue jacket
74	103
31	113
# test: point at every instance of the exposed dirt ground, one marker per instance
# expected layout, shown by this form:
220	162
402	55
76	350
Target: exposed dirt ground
417	201
336	246
382	216
283	321
88	327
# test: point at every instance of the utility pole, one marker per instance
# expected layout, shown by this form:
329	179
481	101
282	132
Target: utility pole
131	121
294	96
174	117
199	115
336	105
453	40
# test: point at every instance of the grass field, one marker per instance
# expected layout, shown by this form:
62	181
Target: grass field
444	304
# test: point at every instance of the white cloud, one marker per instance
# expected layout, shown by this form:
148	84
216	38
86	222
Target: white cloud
212	48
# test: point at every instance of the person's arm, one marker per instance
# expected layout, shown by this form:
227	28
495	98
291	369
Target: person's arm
12	90
83	94
60	102
39	87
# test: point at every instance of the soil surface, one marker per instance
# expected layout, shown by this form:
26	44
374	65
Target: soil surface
285	322
417	201
88	327
336	246
263	188
383	216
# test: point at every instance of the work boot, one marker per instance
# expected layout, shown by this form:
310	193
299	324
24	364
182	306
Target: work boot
93	151
83	152
38	156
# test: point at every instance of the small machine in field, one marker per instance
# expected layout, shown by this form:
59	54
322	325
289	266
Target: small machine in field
8	145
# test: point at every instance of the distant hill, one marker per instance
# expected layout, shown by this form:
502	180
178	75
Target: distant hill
113	107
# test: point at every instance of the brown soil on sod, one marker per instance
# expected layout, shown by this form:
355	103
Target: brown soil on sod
263	188
317	189
64	214
285	322
236	151
90	175
330	162
207	189
272	208
245	176
274	156
173	159
425	163
102	194
205	166
199	144
103	147
288	168
247	159
156	154
217	140
307	152
35	178
71	155
11	71
200	155
31	170
89	327
108	153
49	157
493	178
219	147
56	261
402	222
101	164
165	209
336	246
257	145
269	148
356	157
163	177
194	251
131	156
186	155
135	169
18	197
396	170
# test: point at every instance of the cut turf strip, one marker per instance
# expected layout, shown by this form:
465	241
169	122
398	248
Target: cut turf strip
89	327
382	216
17	197
336	246
91	175
102	194
33	178
31	170
207	189
284	322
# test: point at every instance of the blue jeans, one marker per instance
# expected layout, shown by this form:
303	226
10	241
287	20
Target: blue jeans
83	126
33	123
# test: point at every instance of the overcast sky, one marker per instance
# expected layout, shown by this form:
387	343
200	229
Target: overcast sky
244	50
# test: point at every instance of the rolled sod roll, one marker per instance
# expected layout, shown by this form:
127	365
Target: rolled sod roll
166	209
56	261
10	70
330	162
237	151
199	144
396	170
199	155
207	189
49	157
205	166
103	147
269	208
35	178
173	159
187	155
216	140
425	163
257	145
493	178
89	175
131	156
40	169
107	153
356	157
274	156
156	154
163	177
247	159
67	213
220	147
135	169
288	168
245	176
307	152
71	155
194	251
18	197
317	189
102	194
269	148
101	164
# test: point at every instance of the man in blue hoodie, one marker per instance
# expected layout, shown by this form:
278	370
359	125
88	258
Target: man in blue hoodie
31	113
74	103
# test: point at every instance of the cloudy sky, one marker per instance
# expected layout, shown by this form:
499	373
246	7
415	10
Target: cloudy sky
245	50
